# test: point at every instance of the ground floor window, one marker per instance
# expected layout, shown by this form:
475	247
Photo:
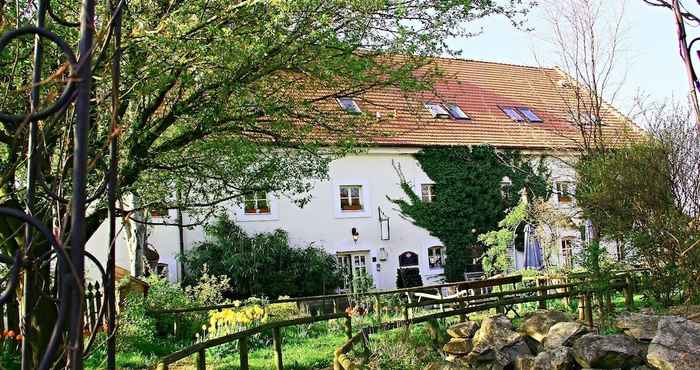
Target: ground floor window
436	256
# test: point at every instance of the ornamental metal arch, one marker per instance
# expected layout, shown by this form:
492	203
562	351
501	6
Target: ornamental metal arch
65	258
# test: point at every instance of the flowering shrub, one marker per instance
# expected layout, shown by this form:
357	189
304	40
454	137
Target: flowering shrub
232	320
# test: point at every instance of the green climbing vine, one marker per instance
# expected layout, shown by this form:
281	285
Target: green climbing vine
470	197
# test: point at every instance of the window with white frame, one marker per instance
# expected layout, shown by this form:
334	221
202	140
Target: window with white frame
436	256
565	192
256	203
351	198
567	252
437	110
349	105
427	193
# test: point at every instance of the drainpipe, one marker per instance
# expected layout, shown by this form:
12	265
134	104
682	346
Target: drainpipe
181	237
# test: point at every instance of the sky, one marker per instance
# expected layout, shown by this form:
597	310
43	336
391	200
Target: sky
649	66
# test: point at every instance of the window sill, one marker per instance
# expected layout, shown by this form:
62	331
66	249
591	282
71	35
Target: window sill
252	217
353	214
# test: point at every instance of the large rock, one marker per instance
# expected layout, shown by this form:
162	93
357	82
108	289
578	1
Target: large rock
608	352
563	334
457	346
496	344
676	345
561	358
537	324
463	329
497	332
640	326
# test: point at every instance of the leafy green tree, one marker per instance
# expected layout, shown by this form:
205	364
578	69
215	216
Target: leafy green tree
630	194
470	196
497	259
217	99
262	264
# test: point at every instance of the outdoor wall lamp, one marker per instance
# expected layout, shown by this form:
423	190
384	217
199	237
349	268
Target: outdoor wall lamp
355	235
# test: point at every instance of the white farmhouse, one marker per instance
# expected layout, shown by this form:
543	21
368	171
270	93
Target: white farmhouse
507	106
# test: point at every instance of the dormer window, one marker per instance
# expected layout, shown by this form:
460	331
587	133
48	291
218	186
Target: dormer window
529	114
521	114
437	110
584	119
456	112
349	105
513	114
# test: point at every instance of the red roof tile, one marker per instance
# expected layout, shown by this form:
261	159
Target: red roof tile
479	88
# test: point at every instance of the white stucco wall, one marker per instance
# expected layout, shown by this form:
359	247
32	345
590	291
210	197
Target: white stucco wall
321	222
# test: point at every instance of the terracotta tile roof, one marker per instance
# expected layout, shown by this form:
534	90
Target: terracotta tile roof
479	88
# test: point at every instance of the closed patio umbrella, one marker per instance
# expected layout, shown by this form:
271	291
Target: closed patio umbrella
533	251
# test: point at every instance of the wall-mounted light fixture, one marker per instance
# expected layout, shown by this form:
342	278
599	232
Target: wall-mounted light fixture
355	235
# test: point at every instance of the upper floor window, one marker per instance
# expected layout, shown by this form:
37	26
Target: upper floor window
159	212
436	256
427	193
521	114
565	192
351	198
529	114
506	185
513	114
456	112
349	105
256	203
437	110
584	119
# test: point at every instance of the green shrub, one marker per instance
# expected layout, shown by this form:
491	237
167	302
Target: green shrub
163	295
261	264
136	326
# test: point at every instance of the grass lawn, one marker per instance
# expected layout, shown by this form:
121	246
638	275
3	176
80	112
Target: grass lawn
311	353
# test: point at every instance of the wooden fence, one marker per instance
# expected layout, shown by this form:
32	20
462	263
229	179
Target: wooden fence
468	297
10	318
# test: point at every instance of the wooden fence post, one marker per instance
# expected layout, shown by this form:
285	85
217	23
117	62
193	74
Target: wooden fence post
582	307
542	303
442	306
243	350
499	307
348	326
277	344
589	308
202	360
378	308
629	292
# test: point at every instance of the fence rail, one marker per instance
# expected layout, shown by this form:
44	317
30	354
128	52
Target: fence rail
473	296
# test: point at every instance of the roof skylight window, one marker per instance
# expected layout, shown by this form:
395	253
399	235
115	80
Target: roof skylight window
349	105
456	112
529	114
437	110
513	114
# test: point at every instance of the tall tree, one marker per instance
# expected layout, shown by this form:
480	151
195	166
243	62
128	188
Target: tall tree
218	98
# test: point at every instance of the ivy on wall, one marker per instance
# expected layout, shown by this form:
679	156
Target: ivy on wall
469	197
